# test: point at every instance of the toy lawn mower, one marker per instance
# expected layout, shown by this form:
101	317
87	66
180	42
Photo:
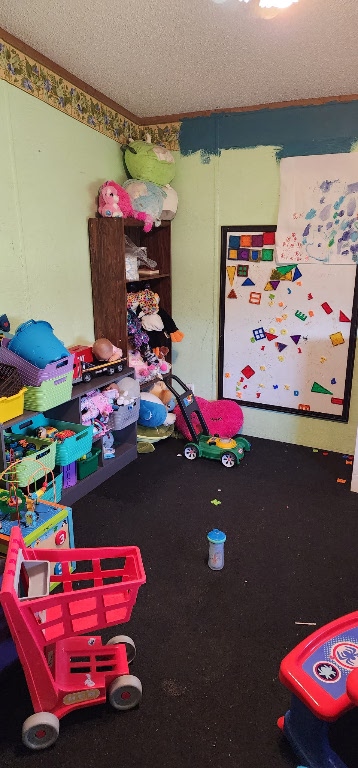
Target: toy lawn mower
228	450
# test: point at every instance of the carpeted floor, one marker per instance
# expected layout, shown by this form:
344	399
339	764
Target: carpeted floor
209	644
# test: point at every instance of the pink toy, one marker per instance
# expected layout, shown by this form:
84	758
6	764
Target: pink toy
114	200
64	672
223	417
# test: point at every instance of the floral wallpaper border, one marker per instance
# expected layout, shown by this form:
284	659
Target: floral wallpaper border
25	73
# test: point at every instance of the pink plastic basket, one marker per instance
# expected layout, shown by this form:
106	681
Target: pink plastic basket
30	374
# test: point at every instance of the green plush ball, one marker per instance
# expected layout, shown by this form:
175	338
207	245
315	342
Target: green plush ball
150	162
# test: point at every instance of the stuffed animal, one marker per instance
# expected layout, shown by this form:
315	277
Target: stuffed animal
114	201
147	200
105	351
223	417
170	205
152	412
160	389
149	162
158	325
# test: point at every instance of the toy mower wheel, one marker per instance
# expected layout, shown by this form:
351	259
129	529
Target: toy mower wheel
128	642
191	451
40	731
125	692
228	459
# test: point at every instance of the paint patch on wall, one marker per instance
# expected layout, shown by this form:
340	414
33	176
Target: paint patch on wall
311	130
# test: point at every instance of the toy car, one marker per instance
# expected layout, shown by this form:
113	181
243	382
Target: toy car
85	367
228	450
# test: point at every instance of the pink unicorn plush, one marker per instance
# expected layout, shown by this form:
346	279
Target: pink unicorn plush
113	200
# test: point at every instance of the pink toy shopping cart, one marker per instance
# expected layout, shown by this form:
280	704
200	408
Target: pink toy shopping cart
65	671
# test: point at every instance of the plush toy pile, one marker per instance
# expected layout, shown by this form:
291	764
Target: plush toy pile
147	194
149	329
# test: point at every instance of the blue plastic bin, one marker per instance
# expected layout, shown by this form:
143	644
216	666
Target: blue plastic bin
36	342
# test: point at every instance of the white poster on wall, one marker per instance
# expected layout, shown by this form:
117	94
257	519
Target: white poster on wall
287	333
318	213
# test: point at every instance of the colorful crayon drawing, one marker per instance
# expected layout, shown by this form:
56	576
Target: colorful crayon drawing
318	216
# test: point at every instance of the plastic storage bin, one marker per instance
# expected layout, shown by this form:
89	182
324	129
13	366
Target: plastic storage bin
10	407
87	466
72	448
36	342
49	394
31	468
126	414
31	375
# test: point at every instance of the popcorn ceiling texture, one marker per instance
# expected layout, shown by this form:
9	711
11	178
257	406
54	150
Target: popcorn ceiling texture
183	56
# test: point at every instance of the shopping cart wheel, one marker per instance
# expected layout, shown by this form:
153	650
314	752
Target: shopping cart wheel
228	459
41	730
128	642
125	692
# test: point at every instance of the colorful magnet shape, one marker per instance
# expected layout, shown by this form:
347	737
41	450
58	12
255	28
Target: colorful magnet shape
269	238
259	333
255	298
327	308
300	315
343	318
319	389
257	241
232	255
231	272
247	282
255	255
267	254
242	270
232	294
234	241
248	371
244	254
245	241
336	338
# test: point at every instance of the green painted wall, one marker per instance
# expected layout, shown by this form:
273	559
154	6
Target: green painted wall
51	168
239	186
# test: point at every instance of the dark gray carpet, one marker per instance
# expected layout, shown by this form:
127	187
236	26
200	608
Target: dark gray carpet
209	644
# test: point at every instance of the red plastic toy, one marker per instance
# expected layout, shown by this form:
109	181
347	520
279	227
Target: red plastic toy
85	367
64	671
322	675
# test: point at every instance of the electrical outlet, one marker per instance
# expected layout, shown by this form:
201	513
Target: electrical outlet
191	386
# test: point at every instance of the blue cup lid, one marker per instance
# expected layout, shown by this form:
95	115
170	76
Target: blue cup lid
216	537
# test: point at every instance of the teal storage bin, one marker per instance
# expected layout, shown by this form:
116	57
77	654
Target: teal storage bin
72	448
36	342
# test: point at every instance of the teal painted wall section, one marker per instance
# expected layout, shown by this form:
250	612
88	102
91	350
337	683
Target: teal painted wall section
220	186
51	169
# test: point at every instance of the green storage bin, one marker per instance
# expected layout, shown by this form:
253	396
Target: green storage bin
49	394
68	450
26	471
88	465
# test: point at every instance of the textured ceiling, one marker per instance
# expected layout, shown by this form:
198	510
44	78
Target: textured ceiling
157	58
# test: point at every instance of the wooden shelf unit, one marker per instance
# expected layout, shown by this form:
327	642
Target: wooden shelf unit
109	284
